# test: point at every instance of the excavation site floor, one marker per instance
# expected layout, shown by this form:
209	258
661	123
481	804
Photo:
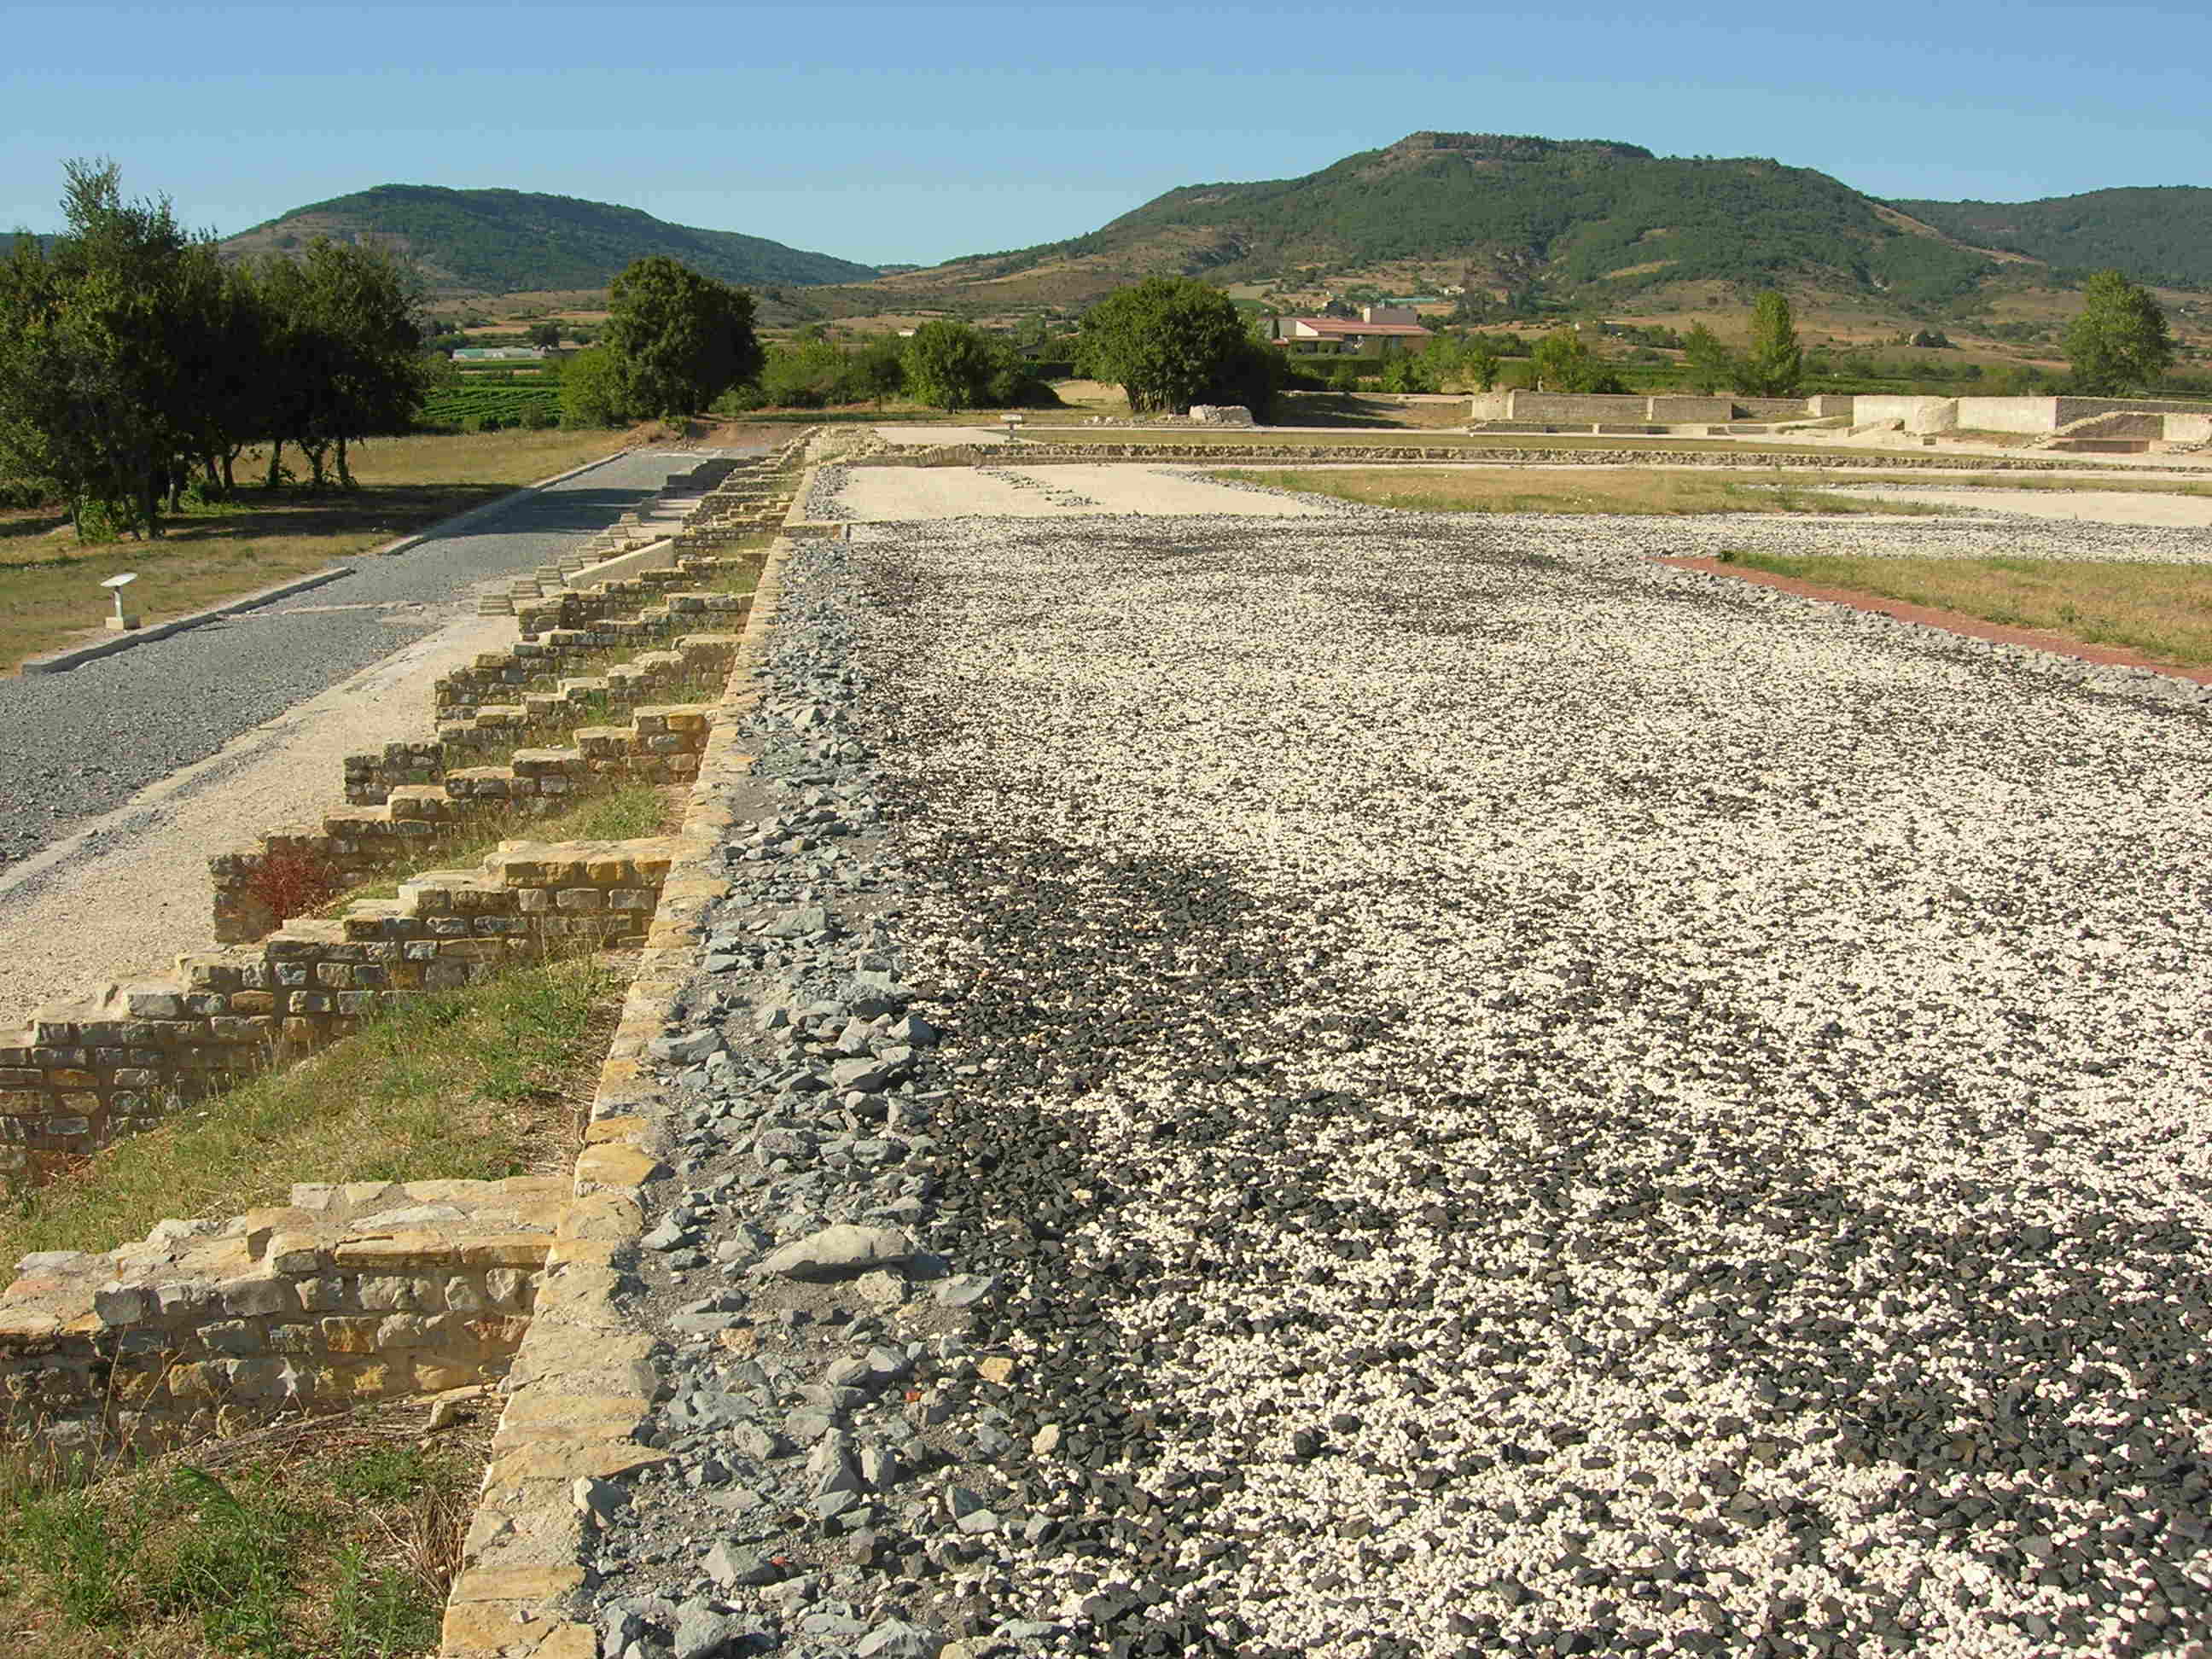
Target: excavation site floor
1380	1084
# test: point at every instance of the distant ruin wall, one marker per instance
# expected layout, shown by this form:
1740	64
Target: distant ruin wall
1920	415
1668	408
349	1294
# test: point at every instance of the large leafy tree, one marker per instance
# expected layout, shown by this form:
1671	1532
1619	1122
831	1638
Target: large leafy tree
341	322
680	339
2119	343
948	365
1169	343
1709	366
95	393
1565	362
1774	366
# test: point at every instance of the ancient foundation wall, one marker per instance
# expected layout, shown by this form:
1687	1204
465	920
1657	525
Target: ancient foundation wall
1920	415
1771	408
541	660
660	745
85	1073
347	1294
1212	454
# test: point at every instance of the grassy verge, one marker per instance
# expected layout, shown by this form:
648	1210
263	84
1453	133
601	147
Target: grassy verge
2162	611
1512	489
49	595
340	1536
629	813
477	1083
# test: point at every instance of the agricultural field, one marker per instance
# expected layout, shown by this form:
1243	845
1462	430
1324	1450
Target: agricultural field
492	407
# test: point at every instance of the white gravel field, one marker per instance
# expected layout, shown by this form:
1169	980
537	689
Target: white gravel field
1617	1112
878	494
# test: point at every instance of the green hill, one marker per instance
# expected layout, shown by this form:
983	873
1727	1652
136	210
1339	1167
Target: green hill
2156	234
506	241
1589	219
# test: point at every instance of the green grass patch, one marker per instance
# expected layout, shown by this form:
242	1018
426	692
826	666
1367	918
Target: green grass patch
476	1084
332	1539
2162	611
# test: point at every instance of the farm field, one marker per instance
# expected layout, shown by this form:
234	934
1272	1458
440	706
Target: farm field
48	585
475	406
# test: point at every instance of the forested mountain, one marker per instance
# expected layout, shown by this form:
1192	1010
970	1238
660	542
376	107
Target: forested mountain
2155	234
1585	217
506	242
8	242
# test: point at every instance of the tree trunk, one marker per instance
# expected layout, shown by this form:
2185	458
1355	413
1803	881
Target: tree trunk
275	449
149	506
230	484
345	476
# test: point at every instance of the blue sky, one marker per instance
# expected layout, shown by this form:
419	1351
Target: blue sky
887	133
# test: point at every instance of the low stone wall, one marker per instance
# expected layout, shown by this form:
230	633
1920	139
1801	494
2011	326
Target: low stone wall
87	1072
347	1294
638	608
1770	409
579	1392
659	745
541	719
625	624
1594	408
1394	454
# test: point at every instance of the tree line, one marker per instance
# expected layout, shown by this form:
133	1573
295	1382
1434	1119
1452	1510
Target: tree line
136	364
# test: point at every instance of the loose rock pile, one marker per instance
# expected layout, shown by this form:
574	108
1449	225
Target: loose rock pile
1394	1085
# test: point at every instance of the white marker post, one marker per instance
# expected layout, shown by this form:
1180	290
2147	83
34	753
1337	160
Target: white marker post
1013	426
120	622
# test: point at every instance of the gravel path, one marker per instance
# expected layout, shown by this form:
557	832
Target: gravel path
1066	489
75	745
125	893
1424	1086
2117	506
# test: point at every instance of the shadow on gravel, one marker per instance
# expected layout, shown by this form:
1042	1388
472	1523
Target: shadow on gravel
1063	961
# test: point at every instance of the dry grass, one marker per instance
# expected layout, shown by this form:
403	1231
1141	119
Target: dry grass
1514	489
48	585
477	1083
2162	611
338	1535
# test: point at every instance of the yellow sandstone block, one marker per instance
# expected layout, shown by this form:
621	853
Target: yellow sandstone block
615	1166
410	1249
505	1250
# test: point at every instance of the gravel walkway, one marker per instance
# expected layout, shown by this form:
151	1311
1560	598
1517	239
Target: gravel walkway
75	745
2089	505
1388	1085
